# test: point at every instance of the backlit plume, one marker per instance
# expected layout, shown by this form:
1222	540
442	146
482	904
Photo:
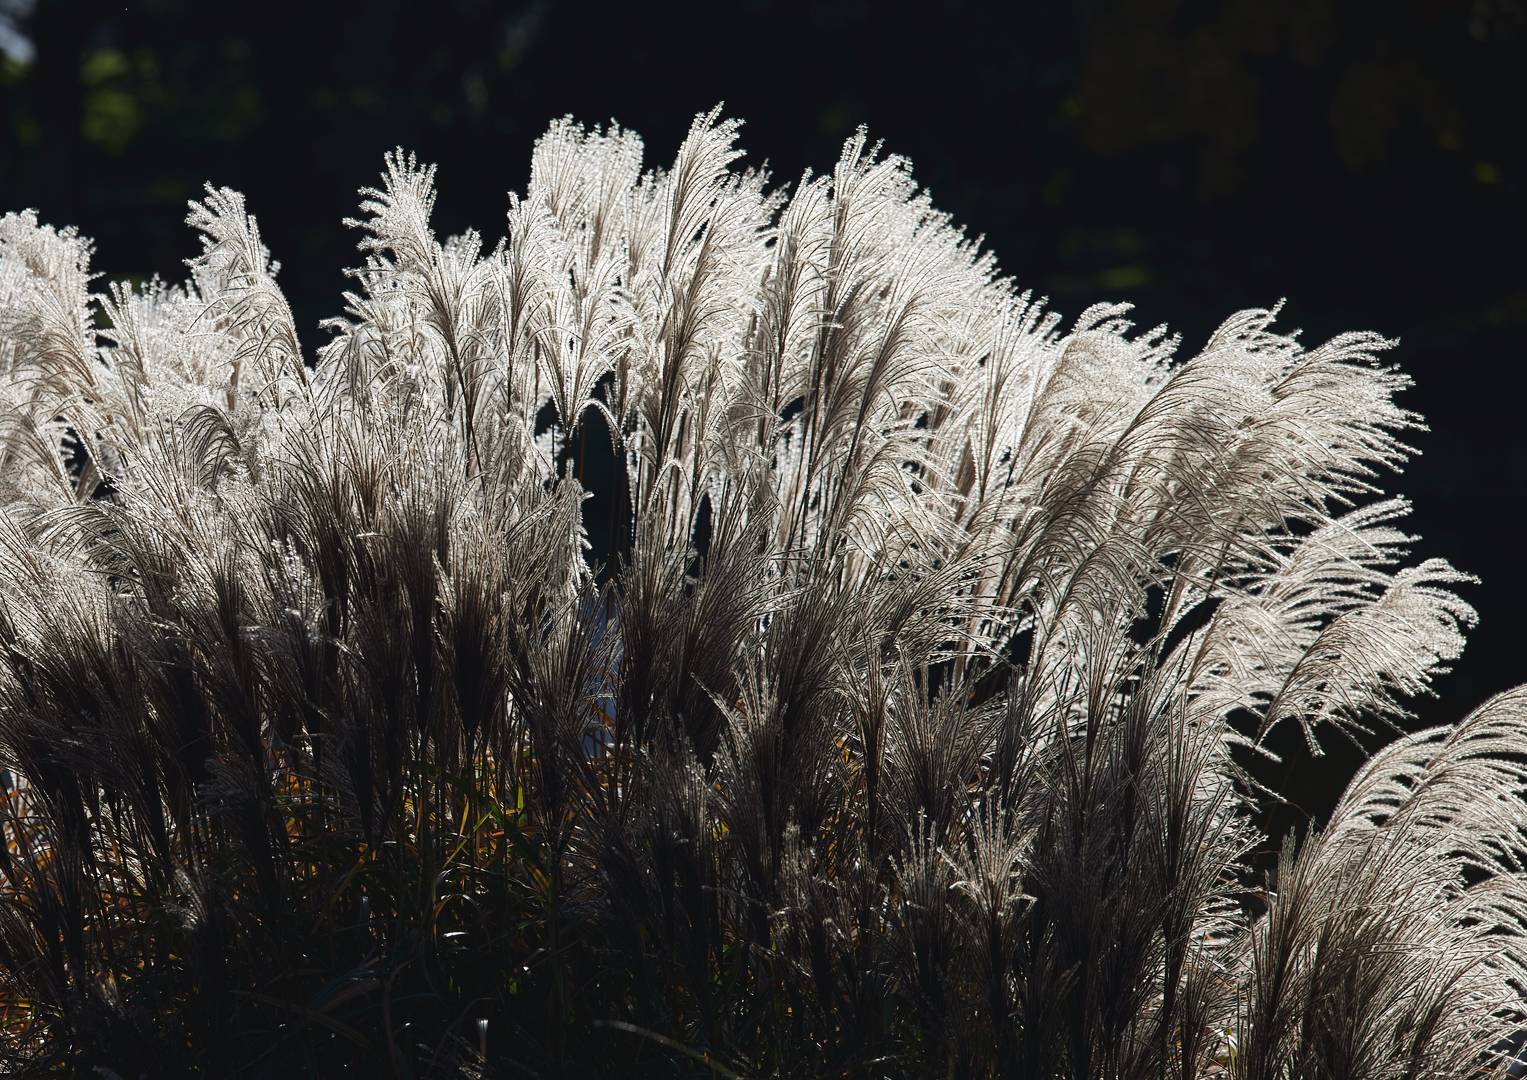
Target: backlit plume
905	724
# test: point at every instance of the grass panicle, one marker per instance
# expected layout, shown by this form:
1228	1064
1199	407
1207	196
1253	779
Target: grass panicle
898	725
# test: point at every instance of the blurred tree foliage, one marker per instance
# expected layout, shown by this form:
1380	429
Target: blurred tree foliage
1364	159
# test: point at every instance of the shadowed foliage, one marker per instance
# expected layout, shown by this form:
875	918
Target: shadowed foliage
896	738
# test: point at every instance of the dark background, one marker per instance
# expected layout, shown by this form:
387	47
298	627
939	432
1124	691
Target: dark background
1364	160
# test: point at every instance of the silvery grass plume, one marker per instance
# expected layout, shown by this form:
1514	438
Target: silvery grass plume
893	736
